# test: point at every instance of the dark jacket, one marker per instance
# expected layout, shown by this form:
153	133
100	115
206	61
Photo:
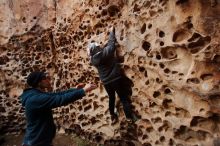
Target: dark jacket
106	62
41	129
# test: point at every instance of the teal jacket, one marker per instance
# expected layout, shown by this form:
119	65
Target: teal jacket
38	105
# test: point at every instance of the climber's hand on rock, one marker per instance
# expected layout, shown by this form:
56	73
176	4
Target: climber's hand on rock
113	29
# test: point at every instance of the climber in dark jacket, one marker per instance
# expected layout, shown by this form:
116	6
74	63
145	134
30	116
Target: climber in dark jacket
38	105
110	74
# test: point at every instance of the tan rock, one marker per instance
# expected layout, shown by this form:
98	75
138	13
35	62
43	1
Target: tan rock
169	49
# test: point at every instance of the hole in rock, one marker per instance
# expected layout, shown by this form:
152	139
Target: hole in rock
24	20
208	54
187	134
81	117
129	143
147	144
145	137
180	131
199	44
181	1
156	120
71	106
161	65
158	80
104	12
84	102
214	97
65	57
143	28
168	113
140	133
168	53
95	105
5	59
174	72
181	74
141	69
150	55
180	35
193	80
80	108
150	129
152	104
216	58
161	43
156	94
98	16
149	26
166	70
201	110
93	120
194	37
113	10
189	25
161	34
167	91
166	103
206	76
98	138
146	45
145	74
196	120
162	138
158	57
157	142
171	142
136	8
147	82
152	13
180	112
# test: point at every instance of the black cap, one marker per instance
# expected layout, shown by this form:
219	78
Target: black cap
35	77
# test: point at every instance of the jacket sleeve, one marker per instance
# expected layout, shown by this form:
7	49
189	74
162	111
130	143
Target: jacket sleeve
110	48
52	100
62	92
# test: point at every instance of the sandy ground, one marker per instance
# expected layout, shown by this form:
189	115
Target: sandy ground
60	140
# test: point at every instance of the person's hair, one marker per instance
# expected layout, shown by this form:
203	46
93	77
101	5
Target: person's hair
34	78
93	48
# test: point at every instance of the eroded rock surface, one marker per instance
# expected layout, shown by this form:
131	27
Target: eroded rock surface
169	49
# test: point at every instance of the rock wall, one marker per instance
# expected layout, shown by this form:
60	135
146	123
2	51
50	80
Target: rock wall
168	48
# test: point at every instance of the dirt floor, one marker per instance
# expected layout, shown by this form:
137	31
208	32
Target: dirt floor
60	140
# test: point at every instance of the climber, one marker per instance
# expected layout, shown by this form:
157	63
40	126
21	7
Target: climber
38	105
105	60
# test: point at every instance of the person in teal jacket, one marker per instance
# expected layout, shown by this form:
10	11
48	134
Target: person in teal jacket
38	105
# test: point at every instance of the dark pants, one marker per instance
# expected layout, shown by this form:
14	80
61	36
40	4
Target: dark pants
123	90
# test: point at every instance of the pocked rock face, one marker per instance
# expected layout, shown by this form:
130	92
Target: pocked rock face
169	49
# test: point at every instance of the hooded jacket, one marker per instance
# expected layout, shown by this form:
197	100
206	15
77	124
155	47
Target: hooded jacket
106	62
38	105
